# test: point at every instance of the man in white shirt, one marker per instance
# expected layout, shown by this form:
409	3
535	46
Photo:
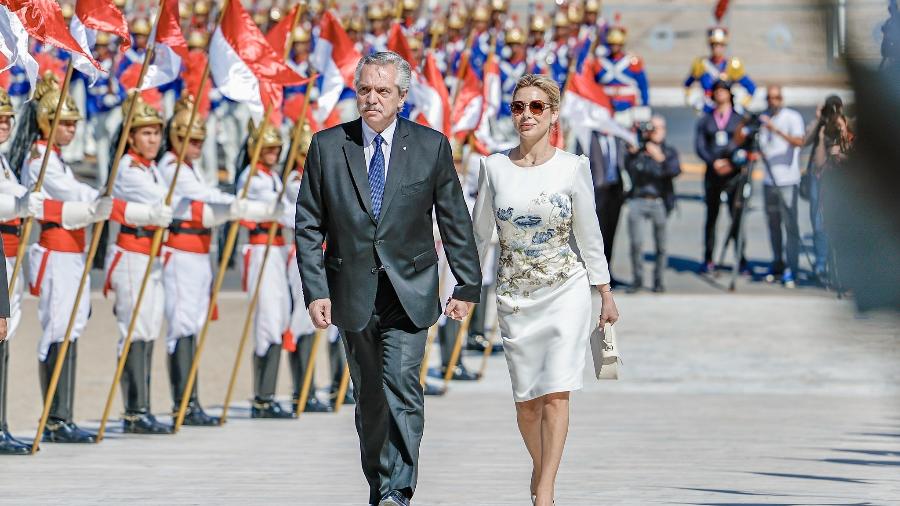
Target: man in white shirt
780	141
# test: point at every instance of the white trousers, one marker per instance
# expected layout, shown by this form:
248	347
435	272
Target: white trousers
187	278
15	302
301	323
57	274
273	309
124	274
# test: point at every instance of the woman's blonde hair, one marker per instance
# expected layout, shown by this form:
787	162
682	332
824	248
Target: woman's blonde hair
543	83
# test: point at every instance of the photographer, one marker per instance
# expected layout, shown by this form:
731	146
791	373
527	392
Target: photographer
715	144
652	197
780	140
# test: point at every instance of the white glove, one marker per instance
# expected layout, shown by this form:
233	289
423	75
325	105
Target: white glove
142	215
77	215
33	205
217	214
110	100
9	207
275	211
251	210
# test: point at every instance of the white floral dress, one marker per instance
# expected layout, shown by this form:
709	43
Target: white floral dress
543	285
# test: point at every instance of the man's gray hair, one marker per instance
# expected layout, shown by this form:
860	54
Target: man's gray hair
404	72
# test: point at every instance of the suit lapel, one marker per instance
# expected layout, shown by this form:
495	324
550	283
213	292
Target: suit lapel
397	170
356	161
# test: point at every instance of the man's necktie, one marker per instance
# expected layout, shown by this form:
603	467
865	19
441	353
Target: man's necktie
376	177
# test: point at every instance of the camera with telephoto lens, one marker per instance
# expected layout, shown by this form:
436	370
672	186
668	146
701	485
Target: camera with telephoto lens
644	129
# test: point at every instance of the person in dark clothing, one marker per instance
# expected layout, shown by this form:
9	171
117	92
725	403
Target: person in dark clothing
652	198
715	145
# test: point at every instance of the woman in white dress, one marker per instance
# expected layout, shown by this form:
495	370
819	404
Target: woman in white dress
536	197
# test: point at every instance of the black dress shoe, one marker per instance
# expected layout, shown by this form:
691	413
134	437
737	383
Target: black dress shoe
659	288
196	417
58	431
394	498
314	405
12	446
268	409
434	390
479	342
461	374
634	289
143	423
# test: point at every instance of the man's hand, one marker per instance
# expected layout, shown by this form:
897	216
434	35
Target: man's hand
457	309
3	329
723	167
655	151
320	312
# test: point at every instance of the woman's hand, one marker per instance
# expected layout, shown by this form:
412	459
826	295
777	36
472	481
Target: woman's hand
609	313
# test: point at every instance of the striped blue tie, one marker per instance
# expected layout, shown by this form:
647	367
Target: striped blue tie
376	176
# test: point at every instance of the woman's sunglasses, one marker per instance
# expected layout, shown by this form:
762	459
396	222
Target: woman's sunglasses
535	106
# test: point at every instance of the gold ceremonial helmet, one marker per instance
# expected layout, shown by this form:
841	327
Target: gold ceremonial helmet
300	34
140	26
305	139
561	19
67	11
103	39
592	6
481	13
575	14
499	5
184	10
275	14
515	35
410	5
178	126
197	40
6	107
120	3
717	35
616	35
46	94
414	43
271	137
356	24
144	113
315	8
539	22
376	12
201	8
437	28
456	22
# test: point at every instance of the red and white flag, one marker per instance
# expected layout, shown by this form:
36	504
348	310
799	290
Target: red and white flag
245	67
336	58
91	16
170	50
430	98
398	43
586	108
279	35
43	20
492	97
466	110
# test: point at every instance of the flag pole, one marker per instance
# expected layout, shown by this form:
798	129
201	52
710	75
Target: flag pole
342	388
154	253
230	241
29	221
270	239
92	251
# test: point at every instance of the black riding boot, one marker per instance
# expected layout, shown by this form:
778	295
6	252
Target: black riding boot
60	428
8	444
179	367
265	377
300	360
135	384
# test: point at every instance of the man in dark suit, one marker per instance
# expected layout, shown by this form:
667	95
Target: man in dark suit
607	158
368	191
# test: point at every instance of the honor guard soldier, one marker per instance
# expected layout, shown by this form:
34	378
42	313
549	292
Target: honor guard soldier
298	59
624	79
187	271
301	325
591	22
140	208
413	24
555	61
134	55
499	9
356	29
449	57
56	261
15	204
513	65
271	325
103	101
537	28
481	19
200	20
717	67
377	38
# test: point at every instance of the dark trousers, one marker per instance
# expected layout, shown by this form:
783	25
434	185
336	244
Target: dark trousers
714	186
781	211
609	200
384	360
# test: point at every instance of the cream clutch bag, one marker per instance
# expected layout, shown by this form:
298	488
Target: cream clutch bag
604	350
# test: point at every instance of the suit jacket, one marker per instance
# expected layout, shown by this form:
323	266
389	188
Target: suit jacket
335	207
597	158
4	288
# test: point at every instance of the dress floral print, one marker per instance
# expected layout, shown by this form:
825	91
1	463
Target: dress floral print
534	244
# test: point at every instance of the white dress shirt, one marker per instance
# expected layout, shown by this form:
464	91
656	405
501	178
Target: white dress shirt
369	144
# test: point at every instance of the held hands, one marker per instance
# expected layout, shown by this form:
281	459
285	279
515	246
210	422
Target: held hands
320	312
3	329
457	309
